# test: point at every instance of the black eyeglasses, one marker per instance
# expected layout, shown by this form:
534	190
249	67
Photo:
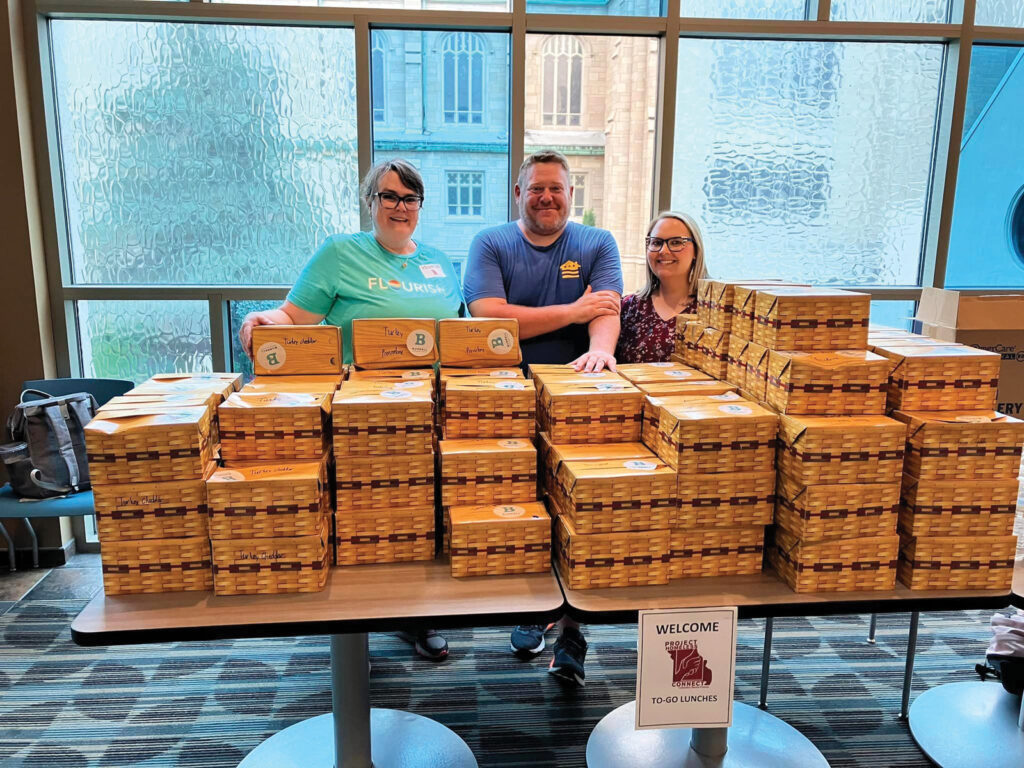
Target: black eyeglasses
390	200
675	244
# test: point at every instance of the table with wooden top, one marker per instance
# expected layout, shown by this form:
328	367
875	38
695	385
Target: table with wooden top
756	738
357	600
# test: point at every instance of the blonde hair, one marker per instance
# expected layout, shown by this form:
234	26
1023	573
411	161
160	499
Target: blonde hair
697	271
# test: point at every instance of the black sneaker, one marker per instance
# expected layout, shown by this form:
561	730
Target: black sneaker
427	643
570	653
528	639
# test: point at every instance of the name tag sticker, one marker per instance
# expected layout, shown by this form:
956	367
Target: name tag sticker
432	271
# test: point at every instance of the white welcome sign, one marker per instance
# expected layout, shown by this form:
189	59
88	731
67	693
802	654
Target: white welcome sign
686	668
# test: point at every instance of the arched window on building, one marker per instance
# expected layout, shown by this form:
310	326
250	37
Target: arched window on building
463	87
562	94
378	74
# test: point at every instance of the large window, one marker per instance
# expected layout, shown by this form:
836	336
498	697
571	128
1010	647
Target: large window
463	83
807	160
562	97
378	76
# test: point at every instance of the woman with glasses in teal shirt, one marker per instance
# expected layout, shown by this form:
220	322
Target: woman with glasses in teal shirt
383	273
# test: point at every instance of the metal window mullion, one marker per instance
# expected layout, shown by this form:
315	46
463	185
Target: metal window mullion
220	332
937	238
824	10
172	292
665	121
364	111
517	101
999	35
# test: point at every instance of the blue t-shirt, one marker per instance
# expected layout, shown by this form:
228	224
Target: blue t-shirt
503	264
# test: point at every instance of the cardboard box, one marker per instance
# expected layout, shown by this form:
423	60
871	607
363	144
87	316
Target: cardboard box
472	342
394	342
283	350
993	322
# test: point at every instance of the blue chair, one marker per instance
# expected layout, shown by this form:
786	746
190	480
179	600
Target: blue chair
70	506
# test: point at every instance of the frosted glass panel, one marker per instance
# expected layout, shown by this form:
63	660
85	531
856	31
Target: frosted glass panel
986	243
746	9
135	339
598	7
203	153
807	160
433	5
999	13
923	11
240	362
444	103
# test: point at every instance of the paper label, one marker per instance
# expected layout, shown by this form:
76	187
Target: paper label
500	342
738	410
509	511
410	384
510	385
271	355
679	374
512	443
420	342
639	464
504	374
395	394
432	271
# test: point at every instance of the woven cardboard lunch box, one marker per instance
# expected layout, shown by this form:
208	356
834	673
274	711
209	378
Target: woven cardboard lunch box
489	407
392	374
700	384
313	383
384	482
836	510
384	535
495	540
394	342
818	450
736	369
127	405
962	445
271	565
543	378
551	456
811	319
149	445
835	565
184	383
599	560
657	373
679	337
714	349
651	431
487	471
744	299
272	426
927	378
693	355
473	342
383	418
157	565
755	360
453	374
265	500
296	349
590	412
707	437
615	495
725	500
956	508
718	552
233	380
171	510
840	383
957	562
720	297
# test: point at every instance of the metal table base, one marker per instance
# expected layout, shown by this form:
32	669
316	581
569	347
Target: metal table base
756	739
967	725
360	737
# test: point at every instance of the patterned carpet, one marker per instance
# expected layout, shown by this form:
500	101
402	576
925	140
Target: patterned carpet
205	705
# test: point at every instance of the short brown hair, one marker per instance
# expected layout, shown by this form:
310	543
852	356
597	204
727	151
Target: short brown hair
543	156
407	174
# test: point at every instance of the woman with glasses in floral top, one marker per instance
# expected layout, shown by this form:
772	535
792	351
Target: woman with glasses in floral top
675	262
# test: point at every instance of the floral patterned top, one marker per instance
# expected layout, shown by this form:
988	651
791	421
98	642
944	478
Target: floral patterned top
645	337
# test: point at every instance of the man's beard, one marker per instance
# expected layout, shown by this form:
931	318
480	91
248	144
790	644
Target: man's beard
542	229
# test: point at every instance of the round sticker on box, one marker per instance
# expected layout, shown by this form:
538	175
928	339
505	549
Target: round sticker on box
420	342
661	365
414	375
409	384
500	342
271	355
679	374
512	443
595	375
230	474
509	511
504	374
609	386
395	394
736	410
639	464
726	396
510	385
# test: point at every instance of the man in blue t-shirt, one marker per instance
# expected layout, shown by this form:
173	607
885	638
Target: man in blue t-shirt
563	282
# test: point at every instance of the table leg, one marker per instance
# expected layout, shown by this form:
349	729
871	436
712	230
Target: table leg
908	672
872	628
967	725
766	662
348	737
755	739
10	548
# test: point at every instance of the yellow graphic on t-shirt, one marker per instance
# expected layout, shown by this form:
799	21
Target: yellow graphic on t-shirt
570	270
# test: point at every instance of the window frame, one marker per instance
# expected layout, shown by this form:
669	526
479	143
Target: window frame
379	75
958	38
549	57
472	53
470	217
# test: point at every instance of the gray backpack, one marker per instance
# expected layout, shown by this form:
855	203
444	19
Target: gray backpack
47	455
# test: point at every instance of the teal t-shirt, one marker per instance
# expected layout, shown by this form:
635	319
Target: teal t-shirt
352	276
